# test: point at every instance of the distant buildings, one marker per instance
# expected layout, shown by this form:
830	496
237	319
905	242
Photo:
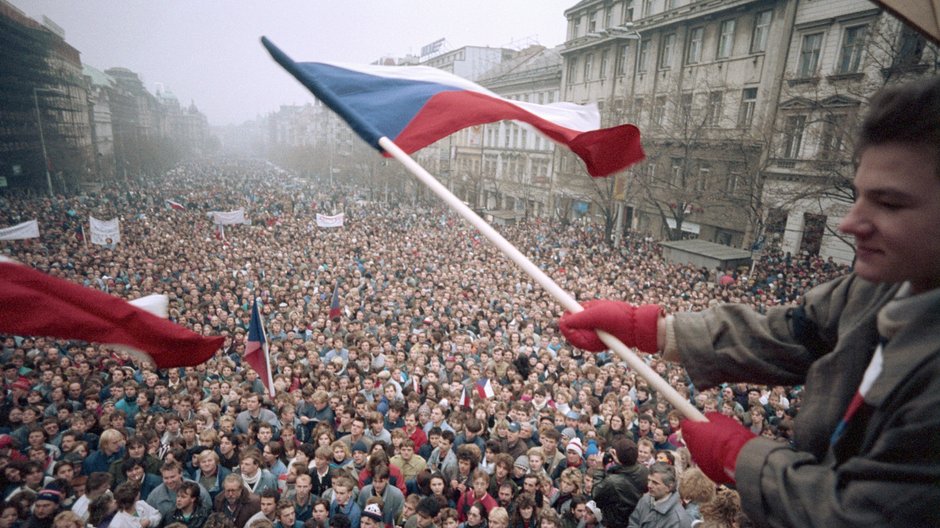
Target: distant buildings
94	125
747	109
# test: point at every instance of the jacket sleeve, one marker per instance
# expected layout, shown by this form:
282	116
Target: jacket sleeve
732	342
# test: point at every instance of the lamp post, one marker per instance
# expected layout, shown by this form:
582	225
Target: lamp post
42	138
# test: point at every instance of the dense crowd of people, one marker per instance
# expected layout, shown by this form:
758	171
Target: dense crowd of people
442	395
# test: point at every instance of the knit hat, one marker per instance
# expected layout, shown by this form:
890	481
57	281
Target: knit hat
51	495
591	505
360	446
575	445
514	427
591	448
6	441
22	384
373	512
569	433
522	462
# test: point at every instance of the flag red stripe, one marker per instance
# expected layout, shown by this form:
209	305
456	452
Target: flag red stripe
35	304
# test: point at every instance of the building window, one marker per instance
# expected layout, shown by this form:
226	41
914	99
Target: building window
731	184
638	109
588	67
659	111
647	7
761	31
832	141
609	17
809	55
642	63
793	136
622	60
853	45
602	74
573	70
694	55
910	48
725	39
713	109
748	105
676	175
672	4
576	28
592	22
628	11
665	52
701	183
685	108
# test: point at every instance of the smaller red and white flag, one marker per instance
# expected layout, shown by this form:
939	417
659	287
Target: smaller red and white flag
465	400
256	349
485	389
175	205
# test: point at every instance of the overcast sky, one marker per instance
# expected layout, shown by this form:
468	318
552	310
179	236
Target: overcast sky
209	51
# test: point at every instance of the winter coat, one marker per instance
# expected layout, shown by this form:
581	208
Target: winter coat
618	493
884	469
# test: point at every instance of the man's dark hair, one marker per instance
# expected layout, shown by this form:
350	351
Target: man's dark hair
907	113
429	506
626	450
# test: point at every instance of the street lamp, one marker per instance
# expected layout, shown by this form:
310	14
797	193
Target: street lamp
42	138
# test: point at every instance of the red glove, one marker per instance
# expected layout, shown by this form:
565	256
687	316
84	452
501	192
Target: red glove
635	326
715	445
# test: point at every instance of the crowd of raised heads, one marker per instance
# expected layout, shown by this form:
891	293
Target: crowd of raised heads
444	376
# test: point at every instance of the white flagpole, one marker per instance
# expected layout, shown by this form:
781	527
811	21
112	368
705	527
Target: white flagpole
567	301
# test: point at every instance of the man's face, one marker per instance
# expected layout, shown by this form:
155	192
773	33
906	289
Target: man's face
268	505
657	489
232	491
341	494
895	216
579	511
44	509
135	474
424	520
379	485
303	486
184	501
264	435
320	513
505	495
172	478
207	465
249	466
287	516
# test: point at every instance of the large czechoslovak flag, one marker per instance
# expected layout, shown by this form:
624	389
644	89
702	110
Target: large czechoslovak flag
415	106
35	304
485	389
256	349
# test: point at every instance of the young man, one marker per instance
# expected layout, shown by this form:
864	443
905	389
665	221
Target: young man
342	501
287	516
864	346
268	503
188	510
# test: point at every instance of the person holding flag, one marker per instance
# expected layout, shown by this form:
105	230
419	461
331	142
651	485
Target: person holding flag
256	350
865	346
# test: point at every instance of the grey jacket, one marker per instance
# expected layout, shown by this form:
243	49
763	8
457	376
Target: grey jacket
884	471
669	514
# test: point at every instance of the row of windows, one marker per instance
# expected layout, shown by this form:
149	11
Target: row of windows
850	52
694	51
714	109
616	14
